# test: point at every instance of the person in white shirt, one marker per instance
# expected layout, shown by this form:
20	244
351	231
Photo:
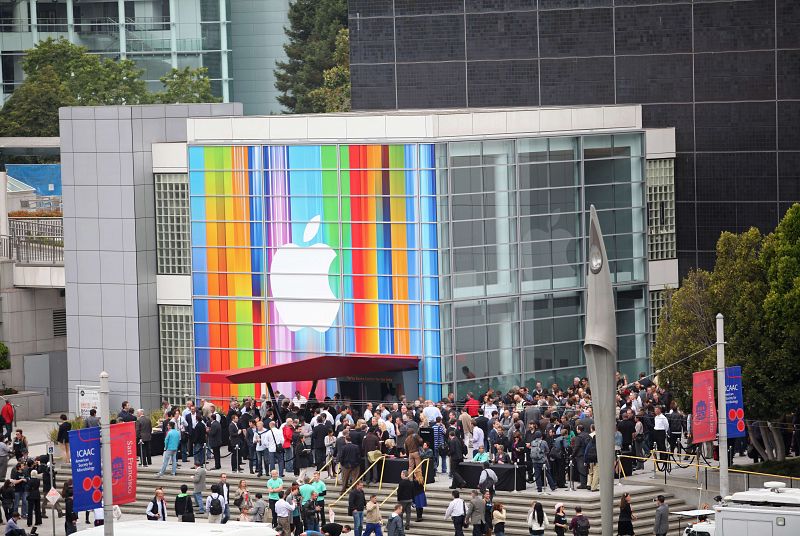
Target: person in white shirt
487	472
157	508
215	500
489	408
456	511
390	428
431	412
264	441
661	429
283	509
368	412
477	438
299	399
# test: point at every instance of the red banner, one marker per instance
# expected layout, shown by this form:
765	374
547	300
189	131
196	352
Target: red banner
704	410
123	462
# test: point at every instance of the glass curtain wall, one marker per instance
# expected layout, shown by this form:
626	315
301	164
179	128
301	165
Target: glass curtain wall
517	231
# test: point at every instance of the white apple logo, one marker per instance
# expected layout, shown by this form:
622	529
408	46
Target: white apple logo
299	281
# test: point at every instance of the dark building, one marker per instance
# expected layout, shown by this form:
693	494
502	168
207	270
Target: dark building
725	74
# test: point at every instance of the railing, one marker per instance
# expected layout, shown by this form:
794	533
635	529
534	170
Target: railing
426	463
48	250
357	480
36	227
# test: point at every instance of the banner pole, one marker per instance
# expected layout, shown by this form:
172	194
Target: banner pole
105	449
722	423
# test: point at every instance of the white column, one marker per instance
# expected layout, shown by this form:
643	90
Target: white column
503	250
223	37
123	37
34	23
722	423
3	204
173	34
70	21
105	456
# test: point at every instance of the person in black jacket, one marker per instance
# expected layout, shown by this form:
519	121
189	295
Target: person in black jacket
405	496
310	512
63	435
318	434
215	439
34	498
578	450
235	443
350	458
356	502
199	436
183	505
457	452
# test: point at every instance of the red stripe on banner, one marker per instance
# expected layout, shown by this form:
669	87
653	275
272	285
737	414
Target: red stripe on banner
123	462
704	410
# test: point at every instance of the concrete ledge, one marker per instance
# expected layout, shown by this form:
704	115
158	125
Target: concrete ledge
37	276
30	405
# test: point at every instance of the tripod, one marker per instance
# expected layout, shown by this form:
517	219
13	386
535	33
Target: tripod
569	475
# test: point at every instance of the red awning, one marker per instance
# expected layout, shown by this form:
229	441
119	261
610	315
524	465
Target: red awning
314	368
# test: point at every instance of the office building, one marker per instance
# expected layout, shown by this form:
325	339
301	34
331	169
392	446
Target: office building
724	74
238	42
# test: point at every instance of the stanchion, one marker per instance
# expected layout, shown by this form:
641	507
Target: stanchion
237	460
141	453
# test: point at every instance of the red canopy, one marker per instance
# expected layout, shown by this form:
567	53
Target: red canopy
314	368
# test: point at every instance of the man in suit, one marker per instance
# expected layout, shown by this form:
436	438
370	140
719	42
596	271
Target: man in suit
199	436
578	450
476	513
457	451
661	526
235	443
215	439
144	433
318	433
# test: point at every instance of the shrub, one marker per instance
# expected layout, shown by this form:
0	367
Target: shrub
77	424
5	362
38	213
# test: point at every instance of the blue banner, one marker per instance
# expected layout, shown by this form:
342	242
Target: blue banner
734	402
87	480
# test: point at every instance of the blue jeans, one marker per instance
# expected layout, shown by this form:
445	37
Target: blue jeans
275	459
438	455
358	523
199	503
20	498
169	455
261	462
373	528
542	470
313	533
200	454
288	460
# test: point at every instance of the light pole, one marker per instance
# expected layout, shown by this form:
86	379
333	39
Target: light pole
722	423
105	459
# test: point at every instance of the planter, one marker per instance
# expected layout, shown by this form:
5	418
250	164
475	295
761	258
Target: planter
29	405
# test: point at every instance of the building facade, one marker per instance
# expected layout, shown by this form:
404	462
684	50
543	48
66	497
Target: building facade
234	40
454	237
724	74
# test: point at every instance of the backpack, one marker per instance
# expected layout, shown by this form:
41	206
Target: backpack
590	453
537	456
444	448
487	484
557	452
215	508
582	526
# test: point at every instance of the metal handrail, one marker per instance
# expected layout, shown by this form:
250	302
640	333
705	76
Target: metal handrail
357	480
426	461
33	249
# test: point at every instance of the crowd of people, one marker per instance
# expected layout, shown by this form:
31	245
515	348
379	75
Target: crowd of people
294	442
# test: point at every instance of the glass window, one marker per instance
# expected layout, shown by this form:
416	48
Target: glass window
466	180
532	150
532	176
563	149
498	152
464	154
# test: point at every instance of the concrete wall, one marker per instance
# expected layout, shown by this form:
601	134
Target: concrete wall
27	321
110	242
257	37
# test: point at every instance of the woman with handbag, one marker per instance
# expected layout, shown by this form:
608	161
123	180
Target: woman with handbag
420	499
184	509
242	501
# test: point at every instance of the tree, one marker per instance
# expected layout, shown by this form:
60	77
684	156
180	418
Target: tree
334	95
755	284
312	32
59	73
186	85
32	110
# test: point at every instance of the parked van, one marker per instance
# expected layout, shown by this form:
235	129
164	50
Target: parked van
771	511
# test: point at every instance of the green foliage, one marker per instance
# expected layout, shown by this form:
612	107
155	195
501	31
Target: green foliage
186	86
755	284
314	26
5	362
790	467
59	73
77	424
334	95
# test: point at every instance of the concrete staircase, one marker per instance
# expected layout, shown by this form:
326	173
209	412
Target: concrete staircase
439	496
